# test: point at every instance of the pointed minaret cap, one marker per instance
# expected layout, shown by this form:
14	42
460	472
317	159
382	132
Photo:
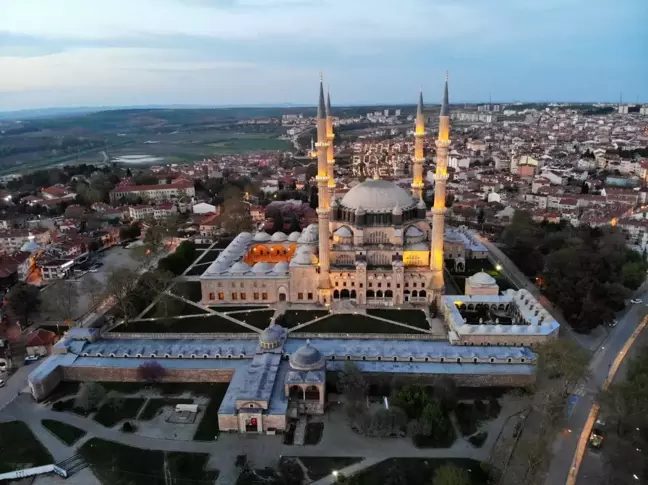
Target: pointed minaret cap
328	103
419	108
445	108
321	108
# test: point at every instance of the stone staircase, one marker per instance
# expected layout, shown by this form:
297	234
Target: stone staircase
300	431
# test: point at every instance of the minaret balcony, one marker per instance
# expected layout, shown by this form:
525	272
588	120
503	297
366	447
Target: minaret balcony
438	211
440	177
419	134
438	143
324	213
418	160
331	161
321	144
419	185
321	179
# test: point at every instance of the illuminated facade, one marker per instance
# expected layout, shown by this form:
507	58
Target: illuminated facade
374	247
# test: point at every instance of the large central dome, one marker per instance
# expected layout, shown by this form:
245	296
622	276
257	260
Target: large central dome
377	195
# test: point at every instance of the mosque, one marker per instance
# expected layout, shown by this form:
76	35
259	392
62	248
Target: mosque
376	247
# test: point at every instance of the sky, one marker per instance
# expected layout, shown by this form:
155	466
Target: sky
244	52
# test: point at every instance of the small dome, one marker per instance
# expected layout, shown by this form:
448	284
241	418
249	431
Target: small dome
482	278
294	236
281	267
29	247
239	267
244	236
262	267
271	336
335	201
397	211
307	357
278	237
343	231
421	205
302	257
359	210
262	236
309	235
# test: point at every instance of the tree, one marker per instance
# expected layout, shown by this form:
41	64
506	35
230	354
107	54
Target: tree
130	232
351	383
60	299
151	371
565	359
90	396
290	472
235	216
120	287
93	288
451	475
411	398
23	300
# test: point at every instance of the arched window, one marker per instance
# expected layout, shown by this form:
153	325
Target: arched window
379	294
414	294
422	294
295	392
370	293
312	393
389	294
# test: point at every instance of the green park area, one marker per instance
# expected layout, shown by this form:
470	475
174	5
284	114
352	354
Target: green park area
114	463
20	449
249	144
349	323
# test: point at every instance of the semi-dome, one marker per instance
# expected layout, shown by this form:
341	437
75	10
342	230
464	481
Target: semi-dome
262	236
279	236
294	236
377	195
482	278
239	267
29	247
307	357
281	267
343	231
413	231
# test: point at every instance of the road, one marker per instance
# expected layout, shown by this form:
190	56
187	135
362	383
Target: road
14	384
584	396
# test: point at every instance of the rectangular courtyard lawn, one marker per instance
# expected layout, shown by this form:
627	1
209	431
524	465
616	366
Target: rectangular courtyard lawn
292	318
415	318
67	433
259	319
209	256
193	324
110	413
169	306
198	269
114	463
208	427
348	323
20	448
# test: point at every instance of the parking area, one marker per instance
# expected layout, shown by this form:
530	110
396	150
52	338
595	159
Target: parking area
90	286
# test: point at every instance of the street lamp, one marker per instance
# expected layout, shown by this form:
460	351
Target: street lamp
498	267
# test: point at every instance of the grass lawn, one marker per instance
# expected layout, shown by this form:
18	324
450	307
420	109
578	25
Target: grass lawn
156	404
189	289
19	448
292	318
210	256
260	319
169	306
415	318
471	415
195	324
198	269
109	414
322	466
240	145
67	433
165	388
415	471
348	323
313	433
116	464
208	426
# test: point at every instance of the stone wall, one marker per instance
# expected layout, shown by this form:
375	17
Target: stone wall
506	339
228	422
41	389
115	374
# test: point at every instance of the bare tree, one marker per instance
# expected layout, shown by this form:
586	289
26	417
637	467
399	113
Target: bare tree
235	216
120	287
90	396
93	288
151	371
60	300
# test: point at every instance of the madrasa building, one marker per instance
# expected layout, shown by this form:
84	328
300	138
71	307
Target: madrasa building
376	247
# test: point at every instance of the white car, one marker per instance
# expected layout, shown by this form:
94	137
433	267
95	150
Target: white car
636	301
2	383
31	358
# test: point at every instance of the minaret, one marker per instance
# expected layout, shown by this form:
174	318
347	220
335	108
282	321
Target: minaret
324	283
330	154
419	157
439	208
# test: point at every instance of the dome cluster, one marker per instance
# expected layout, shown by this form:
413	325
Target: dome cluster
307	358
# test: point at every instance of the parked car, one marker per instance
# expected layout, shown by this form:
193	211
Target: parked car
636	301
2	383
31	358
598	432
613	323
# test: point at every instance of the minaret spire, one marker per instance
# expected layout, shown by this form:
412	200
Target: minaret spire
330	150
439	208
324	283
419	157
